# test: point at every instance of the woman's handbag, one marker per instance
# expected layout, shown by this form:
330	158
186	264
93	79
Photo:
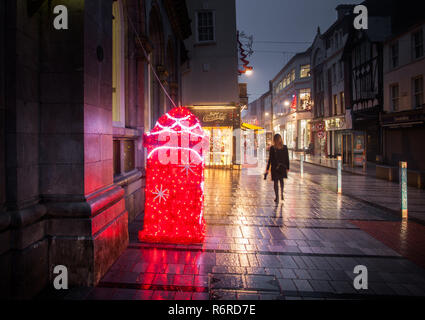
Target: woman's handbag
280	168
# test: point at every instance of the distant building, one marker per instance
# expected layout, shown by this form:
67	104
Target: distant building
337	122
259	112
210	80
403	117
257	127
292	103
318	130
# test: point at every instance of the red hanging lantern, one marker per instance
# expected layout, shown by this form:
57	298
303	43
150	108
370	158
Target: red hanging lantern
174	194
294	102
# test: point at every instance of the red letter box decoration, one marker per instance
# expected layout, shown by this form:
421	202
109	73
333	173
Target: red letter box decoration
174	194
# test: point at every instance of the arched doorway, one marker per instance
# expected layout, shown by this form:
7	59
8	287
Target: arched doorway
156	36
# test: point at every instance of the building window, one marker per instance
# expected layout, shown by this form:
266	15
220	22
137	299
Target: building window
305	71
305	99
205	28
394	55
117	158
335	104
124	156
129	159
293	75
342	98
418	44
118	63
418	93
395	98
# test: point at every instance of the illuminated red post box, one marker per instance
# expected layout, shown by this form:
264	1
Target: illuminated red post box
174	194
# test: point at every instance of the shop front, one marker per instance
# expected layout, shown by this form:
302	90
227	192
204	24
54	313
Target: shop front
339	138
254	145
222	125
291	135
318	138
404	136
304	134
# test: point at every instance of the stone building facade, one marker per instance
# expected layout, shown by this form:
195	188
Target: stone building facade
403	116
292	103
72	115
210	78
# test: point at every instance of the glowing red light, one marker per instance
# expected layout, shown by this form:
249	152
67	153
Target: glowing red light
174	194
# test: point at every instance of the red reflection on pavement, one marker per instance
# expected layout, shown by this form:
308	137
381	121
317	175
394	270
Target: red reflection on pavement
406	238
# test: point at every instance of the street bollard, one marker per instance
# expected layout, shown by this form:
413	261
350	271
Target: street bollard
302	165
403	189
339	173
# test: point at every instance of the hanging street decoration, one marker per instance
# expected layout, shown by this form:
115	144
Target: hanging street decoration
175	180
294	102
243	54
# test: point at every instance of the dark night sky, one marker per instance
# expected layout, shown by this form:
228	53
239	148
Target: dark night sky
281	20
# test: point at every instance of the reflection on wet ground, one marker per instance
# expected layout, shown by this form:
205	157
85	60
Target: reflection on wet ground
305	247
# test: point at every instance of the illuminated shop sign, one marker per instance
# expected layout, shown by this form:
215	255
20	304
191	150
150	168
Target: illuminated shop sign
214	116
335	124
218	117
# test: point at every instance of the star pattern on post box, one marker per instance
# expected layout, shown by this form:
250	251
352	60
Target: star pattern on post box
161	194
186	168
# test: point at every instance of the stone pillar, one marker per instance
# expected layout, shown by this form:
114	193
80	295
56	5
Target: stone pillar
88	223
24	246
62	206
4	216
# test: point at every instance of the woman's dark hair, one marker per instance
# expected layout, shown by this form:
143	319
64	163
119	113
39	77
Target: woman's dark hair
278	142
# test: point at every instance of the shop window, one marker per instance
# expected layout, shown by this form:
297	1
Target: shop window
305	99
418	44
394	55
335	105
124	156
205	26
394	91
221	146
418	96
305	71
117	158
342	98
128	151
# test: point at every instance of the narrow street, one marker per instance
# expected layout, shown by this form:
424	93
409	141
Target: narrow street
304	248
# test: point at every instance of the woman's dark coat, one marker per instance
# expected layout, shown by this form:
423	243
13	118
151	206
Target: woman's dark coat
278	158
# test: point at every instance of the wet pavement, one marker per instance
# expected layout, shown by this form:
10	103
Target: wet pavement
375	192
306	247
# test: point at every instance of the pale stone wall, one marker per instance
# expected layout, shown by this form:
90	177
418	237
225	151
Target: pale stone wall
218	83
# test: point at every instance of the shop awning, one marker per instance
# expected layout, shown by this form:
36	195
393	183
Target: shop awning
251	127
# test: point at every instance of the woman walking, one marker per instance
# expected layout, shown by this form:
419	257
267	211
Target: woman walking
279	163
